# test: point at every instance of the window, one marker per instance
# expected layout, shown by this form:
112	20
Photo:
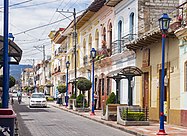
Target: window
103	86
110	37
119	35
97	39
108	86
104	34
131	26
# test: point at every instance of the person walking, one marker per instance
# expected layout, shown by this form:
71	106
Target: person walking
59	97
19	94
95	100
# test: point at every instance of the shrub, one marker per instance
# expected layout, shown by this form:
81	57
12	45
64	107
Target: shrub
79	100
72	96
111	99
61	88
12	81
133	116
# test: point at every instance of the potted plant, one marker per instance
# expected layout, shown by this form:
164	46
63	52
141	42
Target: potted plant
84	85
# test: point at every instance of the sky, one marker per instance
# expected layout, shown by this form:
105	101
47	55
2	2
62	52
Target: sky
27	18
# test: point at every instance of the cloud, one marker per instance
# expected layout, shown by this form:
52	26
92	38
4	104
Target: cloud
21	19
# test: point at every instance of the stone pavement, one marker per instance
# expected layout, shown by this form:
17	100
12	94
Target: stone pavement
151	130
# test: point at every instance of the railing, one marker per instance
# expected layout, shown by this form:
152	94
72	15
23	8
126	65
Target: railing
119	46
134	114
179	15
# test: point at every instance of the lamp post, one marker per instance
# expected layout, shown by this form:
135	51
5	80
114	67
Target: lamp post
5	57
164	26
93	55
67	66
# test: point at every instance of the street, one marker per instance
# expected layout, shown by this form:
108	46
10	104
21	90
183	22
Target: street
55	122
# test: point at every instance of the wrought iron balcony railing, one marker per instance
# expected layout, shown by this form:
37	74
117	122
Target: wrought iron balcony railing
118	46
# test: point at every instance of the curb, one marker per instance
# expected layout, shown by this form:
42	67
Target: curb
102	122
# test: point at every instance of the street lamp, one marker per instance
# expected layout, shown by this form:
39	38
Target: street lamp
5	57
164	26
67	66
93	55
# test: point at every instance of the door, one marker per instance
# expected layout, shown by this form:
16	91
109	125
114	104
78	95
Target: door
146	90
99	88
165	95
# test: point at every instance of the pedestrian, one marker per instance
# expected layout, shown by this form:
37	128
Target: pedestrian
95	99
59	99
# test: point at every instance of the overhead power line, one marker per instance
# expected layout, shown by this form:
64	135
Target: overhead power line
34	5
16	4
46	24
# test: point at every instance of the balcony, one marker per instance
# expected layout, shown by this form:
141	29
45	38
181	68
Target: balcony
119	46
179	17
56	70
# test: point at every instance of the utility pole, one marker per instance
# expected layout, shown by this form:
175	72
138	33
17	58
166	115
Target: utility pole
43	51
75	44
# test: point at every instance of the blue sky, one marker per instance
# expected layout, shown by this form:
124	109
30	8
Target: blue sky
34	13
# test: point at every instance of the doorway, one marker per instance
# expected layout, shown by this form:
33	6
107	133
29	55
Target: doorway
165	95
99	94
146	90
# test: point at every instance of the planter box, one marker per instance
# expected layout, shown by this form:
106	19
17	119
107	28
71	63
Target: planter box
129	123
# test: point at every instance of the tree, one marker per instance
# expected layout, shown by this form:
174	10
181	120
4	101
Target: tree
61	88
84	84
12	81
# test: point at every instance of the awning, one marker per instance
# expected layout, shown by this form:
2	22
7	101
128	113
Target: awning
14	52
114	72
131	71
112	3
127	71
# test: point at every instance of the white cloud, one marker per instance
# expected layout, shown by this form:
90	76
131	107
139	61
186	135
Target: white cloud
21	19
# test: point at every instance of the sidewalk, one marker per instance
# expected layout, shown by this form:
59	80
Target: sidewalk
151	130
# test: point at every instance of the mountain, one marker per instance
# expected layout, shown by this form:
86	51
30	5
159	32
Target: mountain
15	70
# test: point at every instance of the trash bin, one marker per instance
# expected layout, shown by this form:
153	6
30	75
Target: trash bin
7	121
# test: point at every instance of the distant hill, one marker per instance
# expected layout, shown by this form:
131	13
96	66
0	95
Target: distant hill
15	70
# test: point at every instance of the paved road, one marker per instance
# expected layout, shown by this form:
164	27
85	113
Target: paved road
55	122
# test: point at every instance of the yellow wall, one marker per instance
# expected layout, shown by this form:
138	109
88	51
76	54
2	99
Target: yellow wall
172	57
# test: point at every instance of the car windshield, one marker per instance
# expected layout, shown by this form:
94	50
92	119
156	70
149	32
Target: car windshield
38	96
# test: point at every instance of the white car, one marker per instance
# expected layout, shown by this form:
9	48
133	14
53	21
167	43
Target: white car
38	100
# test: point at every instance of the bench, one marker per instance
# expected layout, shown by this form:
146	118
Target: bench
111	112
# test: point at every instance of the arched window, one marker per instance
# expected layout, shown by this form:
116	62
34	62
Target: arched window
110	38
84	46
131	26
97	39
104	34
119	35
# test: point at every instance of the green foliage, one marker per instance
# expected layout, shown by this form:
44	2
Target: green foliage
111	99
61	88
133	116
84	84
79	100
12	81
72	96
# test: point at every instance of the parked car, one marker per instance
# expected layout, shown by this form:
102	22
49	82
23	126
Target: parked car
38	100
